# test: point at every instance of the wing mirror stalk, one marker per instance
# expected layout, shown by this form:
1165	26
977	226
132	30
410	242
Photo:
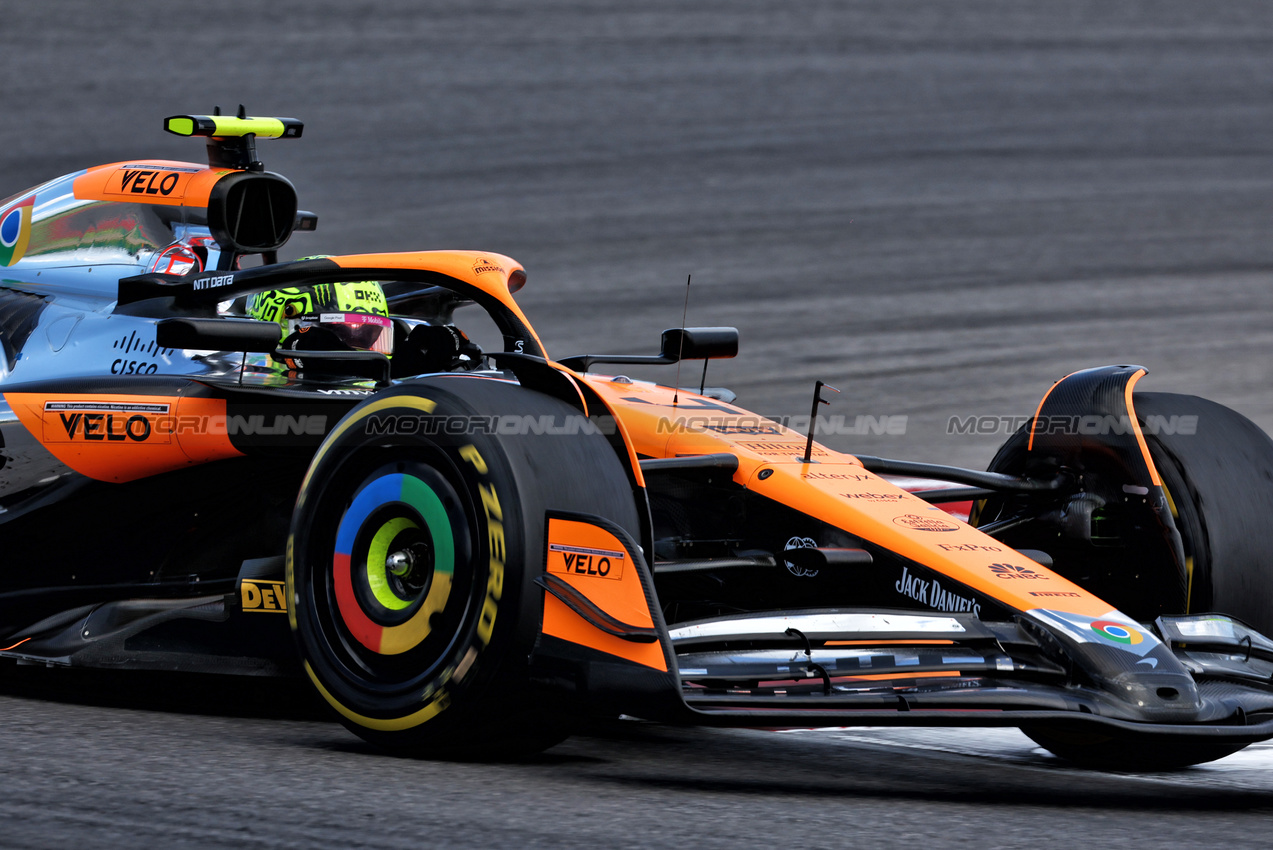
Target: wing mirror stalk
678	344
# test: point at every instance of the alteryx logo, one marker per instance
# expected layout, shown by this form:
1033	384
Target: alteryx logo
15	231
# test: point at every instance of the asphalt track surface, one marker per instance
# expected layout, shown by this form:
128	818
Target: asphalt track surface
939	208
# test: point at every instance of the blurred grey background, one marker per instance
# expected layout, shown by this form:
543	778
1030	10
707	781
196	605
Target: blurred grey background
939	208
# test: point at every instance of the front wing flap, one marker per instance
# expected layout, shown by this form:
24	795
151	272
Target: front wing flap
899	668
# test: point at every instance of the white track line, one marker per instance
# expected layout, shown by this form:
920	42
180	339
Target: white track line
1249	769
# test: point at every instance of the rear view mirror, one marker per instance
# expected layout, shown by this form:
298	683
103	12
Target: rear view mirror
700	343
678	344
217	334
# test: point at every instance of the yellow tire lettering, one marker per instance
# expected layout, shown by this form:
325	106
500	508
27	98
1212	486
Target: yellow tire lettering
486	623
473	456
495	534
490	502
495	540
495	584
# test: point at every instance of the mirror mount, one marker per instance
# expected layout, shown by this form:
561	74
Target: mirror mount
678	344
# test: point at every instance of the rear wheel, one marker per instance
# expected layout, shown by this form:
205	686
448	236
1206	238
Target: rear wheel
416	540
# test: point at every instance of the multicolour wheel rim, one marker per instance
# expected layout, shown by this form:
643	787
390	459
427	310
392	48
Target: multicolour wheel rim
394	563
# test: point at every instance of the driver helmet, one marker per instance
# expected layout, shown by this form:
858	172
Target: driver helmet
350	316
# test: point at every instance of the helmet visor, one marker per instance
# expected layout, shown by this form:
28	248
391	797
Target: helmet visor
359	331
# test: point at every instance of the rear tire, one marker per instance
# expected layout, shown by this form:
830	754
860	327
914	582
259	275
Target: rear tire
412	557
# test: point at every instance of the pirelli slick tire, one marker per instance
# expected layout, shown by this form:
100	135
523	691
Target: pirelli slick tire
1217	468
417	537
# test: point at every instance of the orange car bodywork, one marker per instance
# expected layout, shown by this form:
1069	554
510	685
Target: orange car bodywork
654	422
156	181
592	561
833	487
119	438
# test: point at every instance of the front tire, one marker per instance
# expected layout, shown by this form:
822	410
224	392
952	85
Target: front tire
1219	477
1216	468
417	537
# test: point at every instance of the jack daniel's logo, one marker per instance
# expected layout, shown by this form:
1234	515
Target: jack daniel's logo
930	592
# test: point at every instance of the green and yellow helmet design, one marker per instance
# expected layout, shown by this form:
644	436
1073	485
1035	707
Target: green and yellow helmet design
347	316
282	306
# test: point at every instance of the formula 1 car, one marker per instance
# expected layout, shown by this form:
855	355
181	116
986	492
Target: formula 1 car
465	551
